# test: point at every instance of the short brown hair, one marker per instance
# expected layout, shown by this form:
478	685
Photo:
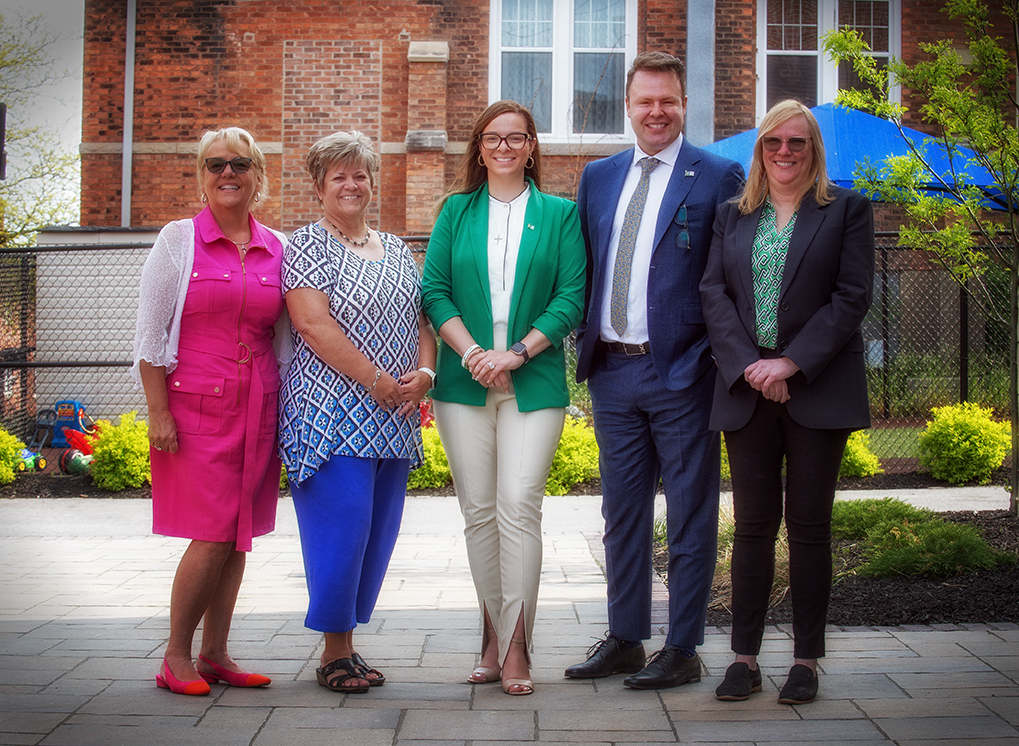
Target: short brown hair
657	62
354	148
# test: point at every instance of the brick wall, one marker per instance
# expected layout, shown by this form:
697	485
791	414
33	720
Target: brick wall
735	67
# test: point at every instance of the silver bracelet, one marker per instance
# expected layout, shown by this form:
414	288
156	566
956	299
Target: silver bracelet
468	352
378	375
431	374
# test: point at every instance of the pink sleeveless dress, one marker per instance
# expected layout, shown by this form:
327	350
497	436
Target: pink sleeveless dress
223	483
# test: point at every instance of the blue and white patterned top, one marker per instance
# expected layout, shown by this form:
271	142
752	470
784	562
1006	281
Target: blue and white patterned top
376	303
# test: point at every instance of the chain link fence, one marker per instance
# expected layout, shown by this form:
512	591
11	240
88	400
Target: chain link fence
67	317
930	343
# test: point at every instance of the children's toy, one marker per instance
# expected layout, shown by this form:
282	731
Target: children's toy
73	461
80	440
70	414
45	421
31	460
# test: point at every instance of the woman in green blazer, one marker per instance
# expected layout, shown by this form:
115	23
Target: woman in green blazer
504	285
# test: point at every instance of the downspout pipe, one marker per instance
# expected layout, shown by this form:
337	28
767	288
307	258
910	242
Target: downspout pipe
700	71
128	151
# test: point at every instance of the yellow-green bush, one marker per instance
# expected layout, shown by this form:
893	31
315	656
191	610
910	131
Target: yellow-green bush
726	471
576	458
434	470
858	460
10	455
963	444
120	458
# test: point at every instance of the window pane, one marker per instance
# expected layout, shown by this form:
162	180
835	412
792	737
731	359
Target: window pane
598	93
849	80
527	23
870	18
792	77
599	23
527	79
792	24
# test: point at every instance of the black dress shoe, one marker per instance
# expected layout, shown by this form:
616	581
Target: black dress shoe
668	667
739	683
607	657
800	687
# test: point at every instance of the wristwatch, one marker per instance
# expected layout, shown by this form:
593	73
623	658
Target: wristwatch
520	349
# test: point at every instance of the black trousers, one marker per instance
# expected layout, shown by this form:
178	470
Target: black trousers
812	458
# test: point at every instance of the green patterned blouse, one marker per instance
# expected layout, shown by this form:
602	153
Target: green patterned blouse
770	249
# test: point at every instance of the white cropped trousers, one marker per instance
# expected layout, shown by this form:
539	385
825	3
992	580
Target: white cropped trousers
500	459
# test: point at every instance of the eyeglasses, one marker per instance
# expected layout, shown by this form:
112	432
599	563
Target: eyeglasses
683	234
240	165
774	144
515	140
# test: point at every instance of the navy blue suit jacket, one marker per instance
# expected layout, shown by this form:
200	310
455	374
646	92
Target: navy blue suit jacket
679	341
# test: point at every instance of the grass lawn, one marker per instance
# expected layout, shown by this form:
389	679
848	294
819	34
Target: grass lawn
895	442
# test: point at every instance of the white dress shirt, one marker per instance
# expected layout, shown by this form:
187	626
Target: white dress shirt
636	300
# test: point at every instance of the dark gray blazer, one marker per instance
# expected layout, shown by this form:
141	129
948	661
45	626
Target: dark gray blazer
826	291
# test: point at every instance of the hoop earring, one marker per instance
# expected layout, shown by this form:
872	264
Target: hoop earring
204	198
530	162
256	196
481	160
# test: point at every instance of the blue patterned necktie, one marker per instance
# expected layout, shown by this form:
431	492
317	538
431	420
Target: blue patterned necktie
627	239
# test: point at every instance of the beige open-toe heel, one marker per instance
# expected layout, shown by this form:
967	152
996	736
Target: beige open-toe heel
518	687
485	674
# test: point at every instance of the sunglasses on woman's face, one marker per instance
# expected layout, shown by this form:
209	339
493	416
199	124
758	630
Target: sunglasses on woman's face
239	165
774	144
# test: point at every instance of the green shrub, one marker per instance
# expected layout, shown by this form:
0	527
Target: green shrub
434	470
963	444
858	460
576	458
726	471
10	456
933	548
853	519
284	482
121	454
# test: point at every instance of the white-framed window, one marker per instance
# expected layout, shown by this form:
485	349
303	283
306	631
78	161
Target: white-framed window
790	62
566	60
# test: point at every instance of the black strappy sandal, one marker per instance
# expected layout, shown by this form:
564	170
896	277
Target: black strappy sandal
366	672
336	684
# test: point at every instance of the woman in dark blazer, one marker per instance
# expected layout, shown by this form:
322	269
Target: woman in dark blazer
788	282
503	284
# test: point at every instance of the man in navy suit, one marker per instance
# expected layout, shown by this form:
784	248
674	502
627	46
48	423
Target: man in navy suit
647	215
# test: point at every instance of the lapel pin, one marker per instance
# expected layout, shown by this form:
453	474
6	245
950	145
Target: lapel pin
530	227
689	173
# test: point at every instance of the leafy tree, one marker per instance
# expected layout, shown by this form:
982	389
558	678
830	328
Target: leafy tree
969	101
42	174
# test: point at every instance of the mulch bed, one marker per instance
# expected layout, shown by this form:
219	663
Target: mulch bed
982	597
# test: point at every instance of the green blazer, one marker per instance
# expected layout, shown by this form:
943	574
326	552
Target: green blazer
548	293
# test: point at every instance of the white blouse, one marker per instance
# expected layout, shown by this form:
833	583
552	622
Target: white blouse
505	229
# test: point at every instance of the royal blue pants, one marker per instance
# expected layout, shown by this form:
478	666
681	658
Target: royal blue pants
348	514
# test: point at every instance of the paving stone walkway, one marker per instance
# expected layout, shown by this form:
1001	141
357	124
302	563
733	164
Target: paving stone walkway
84	589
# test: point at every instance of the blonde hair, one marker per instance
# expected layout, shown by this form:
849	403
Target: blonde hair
353	148
756	189
236	139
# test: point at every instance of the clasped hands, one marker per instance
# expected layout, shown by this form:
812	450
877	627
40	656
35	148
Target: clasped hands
769	377
404	393
491	368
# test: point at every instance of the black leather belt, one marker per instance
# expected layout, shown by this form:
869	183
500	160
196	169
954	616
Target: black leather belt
644	348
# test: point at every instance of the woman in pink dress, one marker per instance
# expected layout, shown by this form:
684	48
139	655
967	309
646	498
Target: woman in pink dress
207	354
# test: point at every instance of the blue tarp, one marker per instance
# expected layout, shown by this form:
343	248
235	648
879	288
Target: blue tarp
851	136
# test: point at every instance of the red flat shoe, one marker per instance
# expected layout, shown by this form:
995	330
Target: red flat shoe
167	680
230	678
